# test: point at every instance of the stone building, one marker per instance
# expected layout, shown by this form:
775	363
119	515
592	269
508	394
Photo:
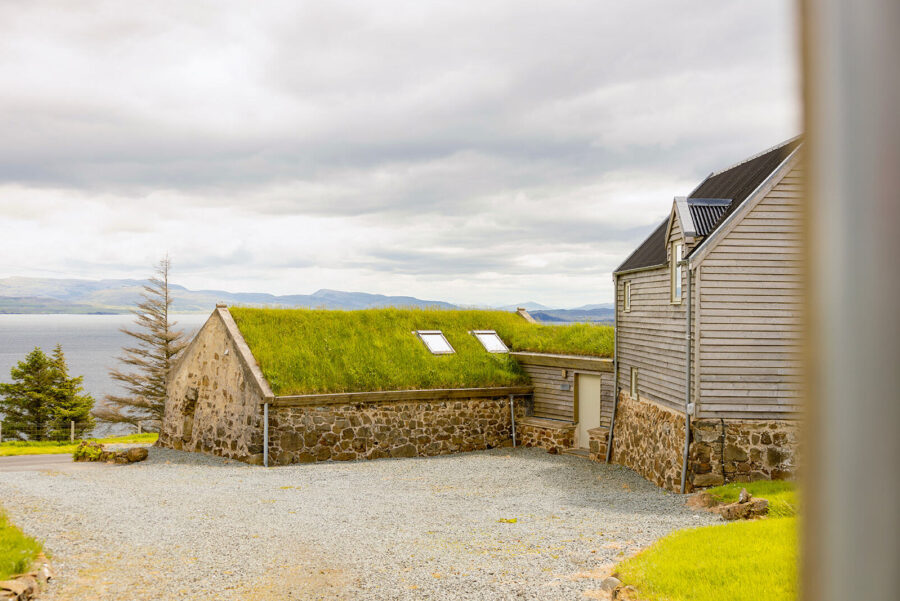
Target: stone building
708	332
232	395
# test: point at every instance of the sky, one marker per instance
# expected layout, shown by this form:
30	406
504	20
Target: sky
482	153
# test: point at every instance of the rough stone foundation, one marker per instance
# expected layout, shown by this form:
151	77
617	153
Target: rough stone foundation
545	433
649	439
743	450
377	430
598	439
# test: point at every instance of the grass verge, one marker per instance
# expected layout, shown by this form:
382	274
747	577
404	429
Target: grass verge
17	551
51	447
740	561
302	351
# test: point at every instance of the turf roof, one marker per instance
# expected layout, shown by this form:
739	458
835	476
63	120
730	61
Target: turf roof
304	351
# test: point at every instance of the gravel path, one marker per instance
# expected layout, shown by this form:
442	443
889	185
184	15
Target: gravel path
188	526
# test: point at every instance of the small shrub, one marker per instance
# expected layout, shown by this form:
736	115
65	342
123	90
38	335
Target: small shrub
87	451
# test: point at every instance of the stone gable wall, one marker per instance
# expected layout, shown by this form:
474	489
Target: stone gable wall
388	429
213	405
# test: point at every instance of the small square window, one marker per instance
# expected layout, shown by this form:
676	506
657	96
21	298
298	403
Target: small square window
435	342
490	340
634	382
628	297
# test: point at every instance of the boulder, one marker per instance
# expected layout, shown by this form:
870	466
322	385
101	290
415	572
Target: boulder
136	454
753	508
610	584
744	497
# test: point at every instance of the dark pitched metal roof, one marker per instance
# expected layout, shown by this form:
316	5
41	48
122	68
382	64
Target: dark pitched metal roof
707	202
652	252
739	181
706	212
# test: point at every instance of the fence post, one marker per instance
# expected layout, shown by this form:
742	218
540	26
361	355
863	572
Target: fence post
71	431
139	428
1	431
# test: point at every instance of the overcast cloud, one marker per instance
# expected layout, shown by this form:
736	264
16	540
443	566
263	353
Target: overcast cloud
491	152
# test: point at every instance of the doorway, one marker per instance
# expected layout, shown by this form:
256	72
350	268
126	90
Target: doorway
588	389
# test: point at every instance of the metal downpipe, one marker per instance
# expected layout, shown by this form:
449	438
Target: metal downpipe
265	435
612	421
512	419
687	387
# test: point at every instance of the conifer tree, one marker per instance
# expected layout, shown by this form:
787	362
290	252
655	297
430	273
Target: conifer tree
71	404
147	364
43	400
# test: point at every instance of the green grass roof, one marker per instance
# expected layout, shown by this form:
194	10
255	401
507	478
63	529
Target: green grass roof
303	351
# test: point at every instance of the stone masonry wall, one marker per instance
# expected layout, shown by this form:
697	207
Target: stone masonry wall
213	405
388	429
649	439
598	439
545	434
743	450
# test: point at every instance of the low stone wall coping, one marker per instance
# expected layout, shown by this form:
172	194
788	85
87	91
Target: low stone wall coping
550	424
583	362
388	396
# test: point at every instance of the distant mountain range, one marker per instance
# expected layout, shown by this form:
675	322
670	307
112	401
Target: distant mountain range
49	295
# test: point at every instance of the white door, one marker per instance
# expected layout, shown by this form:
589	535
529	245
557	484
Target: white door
588	408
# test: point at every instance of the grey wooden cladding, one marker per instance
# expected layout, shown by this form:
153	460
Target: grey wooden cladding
387	396
747	307
651	337
551	401
751	309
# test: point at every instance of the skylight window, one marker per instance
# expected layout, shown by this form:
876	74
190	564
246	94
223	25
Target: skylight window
490	341
435	341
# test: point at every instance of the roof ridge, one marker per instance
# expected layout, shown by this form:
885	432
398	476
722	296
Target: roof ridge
750	158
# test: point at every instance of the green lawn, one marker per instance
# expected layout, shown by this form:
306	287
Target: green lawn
17	551
302	351
740	561
50	447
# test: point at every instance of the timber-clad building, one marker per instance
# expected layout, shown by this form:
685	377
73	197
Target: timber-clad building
708	328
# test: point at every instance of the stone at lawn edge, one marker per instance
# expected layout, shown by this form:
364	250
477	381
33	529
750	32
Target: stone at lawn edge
610	584
743	511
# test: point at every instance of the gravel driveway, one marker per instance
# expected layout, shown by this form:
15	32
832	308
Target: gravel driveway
188	526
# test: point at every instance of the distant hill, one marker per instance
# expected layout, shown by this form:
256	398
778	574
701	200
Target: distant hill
47	295
609	306
561	316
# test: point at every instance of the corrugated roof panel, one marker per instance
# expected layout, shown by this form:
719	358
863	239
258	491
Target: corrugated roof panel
706	213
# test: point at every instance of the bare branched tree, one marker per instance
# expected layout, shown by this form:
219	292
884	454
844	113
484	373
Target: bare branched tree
147	363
